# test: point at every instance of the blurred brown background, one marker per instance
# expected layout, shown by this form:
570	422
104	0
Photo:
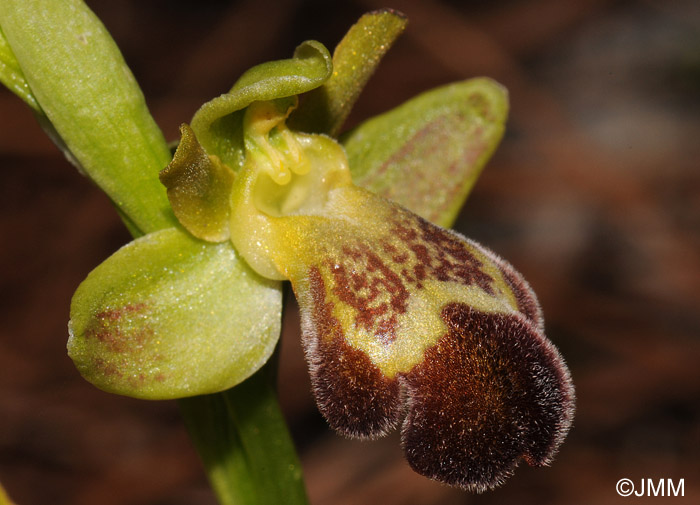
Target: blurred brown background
594	195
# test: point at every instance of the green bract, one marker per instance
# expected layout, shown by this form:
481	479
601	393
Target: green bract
97	112
11	75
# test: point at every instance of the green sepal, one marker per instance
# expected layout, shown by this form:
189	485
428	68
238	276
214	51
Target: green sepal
427	153
199	189
170	316
11	75
355	59
218	123
97	112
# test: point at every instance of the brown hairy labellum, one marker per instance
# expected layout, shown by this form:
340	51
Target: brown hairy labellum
416	324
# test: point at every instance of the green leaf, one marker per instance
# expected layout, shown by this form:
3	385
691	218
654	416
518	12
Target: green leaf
12	77
218	123
169	316
199	189
250	459
427	153
355	59
81	82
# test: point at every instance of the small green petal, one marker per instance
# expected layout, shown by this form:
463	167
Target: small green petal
169	316
97	112
355	59
218	123
427	153
199	189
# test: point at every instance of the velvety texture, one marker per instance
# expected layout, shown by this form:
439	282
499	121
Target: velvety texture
490	392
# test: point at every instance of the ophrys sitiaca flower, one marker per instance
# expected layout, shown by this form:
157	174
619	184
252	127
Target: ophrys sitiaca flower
402	321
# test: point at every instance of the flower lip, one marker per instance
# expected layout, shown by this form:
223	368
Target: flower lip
402	318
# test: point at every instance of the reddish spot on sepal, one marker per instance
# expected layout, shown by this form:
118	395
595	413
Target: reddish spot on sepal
492	391
108	327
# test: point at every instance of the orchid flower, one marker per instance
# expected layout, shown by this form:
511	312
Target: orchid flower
403	322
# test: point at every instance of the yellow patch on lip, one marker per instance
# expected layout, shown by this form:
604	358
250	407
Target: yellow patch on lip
384	308
418	329
388	281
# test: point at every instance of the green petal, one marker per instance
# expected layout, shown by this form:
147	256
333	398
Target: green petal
81	82
427	153
169	316
218	123
355	59
199	189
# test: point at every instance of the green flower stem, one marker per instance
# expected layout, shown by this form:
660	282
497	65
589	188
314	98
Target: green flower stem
251	459
60	59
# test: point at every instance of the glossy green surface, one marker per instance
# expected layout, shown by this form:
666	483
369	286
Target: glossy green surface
169	316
